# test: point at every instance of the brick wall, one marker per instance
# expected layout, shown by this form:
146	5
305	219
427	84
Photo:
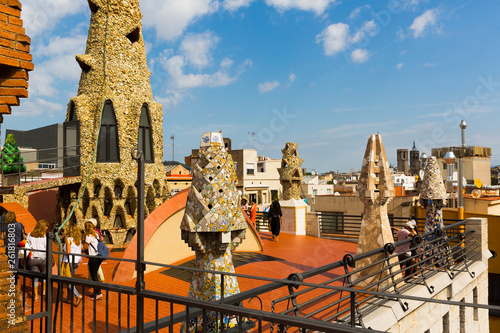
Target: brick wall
15	59
12	317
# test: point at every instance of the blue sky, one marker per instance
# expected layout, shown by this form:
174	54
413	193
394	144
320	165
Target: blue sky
323	73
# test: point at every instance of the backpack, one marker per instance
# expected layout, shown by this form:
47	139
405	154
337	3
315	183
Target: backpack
102	249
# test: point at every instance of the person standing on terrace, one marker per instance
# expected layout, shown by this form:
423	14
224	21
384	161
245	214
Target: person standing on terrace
91	241
276	217
253	212
36	261
404	252
73	245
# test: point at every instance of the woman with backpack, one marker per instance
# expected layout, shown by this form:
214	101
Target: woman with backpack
91	241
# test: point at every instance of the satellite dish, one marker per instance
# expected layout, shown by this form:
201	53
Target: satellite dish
335	181
476	194
478	183
421	174
337	194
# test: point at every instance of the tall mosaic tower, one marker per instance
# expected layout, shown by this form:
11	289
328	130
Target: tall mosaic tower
290	171
113	113
213	225
375	189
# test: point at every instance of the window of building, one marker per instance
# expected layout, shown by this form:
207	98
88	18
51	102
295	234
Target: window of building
261	167
445	166
145	140
315	192
250	168
46	165
235	164
328	191
107	149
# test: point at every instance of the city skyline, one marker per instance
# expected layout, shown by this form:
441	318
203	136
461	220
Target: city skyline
320	73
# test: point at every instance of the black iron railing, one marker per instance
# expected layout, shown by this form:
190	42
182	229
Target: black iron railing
333	224
338	304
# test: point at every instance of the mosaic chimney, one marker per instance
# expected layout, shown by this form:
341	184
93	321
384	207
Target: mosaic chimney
375	189
290	171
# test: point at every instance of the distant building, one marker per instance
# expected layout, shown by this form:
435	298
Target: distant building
476	162
414	161
495	174
311	186
402	180
403	161
178	177
47	140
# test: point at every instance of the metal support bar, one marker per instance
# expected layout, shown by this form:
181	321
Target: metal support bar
389	249
48	262
140	267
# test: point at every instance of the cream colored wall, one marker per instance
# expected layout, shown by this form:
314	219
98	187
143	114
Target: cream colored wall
351	205
166	245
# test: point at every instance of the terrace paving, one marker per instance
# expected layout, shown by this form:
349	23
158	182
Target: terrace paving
292	254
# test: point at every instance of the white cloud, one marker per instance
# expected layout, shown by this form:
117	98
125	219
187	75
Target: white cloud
400	5
197	48
179	80
268	86
423	22
355	13
56	60
172	98
316	6
292	77
334	38
360	55
226	63
234	5
37	107
399	66
369	28
429	64
42	15
171	17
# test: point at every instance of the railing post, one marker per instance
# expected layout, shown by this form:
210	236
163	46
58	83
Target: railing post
48	281
353	309
18	168
139	266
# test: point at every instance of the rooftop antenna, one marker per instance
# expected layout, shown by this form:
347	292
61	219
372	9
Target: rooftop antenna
172	137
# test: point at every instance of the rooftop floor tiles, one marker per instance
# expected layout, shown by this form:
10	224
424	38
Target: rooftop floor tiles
292	254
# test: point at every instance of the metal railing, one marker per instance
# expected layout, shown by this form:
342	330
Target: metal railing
70	163
333	224
337	304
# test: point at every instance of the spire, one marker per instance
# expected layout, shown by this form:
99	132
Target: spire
375	189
